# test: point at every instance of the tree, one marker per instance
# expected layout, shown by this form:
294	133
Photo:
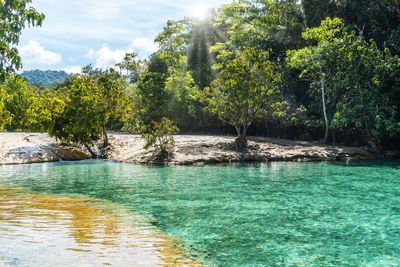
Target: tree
159	135
75	115
18	100
364	103
348	72
149	111
316	11
320	62
132	65
5	115
183	107
112	100
245	89
172	42
14	16
273	26
203	34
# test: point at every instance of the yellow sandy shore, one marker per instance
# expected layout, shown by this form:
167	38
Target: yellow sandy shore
49	230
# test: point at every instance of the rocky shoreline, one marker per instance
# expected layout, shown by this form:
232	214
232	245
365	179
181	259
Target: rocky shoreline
23	148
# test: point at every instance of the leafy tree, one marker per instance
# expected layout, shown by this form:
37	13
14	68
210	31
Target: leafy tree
275	26
377	20
365	105
203	34
74	116
149	110
346	69
320	62
183	107
172	42
112	100
316	11
159	135
18	100
245	89
14	16
132	65
5	115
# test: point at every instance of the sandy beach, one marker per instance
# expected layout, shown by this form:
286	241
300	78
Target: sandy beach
21	148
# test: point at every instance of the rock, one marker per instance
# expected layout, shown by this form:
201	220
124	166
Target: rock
22	148
26	155
71	153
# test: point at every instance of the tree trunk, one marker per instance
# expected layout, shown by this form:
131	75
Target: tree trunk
237	130
105	137
91	151
333	136
241	142
324	110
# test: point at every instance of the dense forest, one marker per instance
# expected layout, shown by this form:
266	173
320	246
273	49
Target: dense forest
45	78
306	70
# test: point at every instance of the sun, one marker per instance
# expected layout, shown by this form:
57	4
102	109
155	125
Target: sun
200	12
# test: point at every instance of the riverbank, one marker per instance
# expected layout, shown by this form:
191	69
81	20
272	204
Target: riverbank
23	148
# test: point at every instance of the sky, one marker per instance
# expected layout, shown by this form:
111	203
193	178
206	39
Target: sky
76	33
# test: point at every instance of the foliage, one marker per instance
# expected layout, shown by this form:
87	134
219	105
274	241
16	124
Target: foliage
320	63
245	89
14	16
345	67
18	100
113	102
5	115
159	135
75	116
172	42
132	65
274	26
183	107
253	62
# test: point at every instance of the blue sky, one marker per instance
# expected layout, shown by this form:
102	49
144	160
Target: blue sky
78	32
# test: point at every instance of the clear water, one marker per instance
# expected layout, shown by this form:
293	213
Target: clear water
307	214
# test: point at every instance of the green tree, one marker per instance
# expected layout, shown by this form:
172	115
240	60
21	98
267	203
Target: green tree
172	42
113	102
320	62
5	115
365	105
149	110
14	16
245	89
75	115
275	26
184	109
159	135
348	71
132	65
18	100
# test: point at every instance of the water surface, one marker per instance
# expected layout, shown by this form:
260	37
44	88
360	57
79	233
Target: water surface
248	215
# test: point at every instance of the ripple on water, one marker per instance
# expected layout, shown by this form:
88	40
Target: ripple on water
48	230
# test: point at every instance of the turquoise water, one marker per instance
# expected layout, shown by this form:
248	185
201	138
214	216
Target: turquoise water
307	214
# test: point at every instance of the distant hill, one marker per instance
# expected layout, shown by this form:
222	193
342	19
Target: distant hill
45	78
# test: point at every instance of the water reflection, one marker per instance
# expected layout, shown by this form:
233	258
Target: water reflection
47	230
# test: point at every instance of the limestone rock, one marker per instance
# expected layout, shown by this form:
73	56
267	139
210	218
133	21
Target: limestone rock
71	153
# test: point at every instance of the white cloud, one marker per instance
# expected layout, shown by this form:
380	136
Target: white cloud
106	58
34	53
72	69
144	44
